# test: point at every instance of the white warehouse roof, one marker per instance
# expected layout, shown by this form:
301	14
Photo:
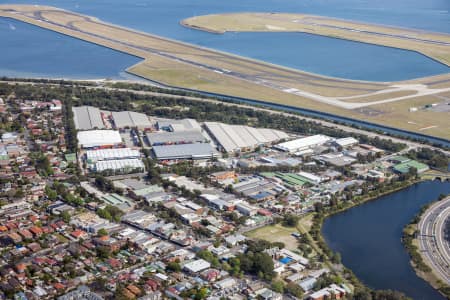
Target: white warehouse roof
197	265
178	125
303	143
96	138
108	154
119	164
233	137
348	141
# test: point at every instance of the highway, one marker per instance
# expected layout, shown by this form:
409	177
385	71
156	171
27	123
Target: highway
432	243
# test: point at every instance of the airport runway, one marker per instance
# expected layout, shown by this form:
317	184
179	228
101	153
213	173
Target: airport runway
274	77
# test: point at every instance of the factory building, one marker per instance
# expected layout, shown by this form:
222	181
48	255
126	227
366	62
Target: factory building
176	137
87	118
130	119
234	138
346	142
94	139
303	143
92	156
185	151
178	125
121	166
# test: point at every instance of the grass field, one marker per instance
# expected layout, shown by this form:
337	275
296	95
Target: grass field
275	233
380	96
182	65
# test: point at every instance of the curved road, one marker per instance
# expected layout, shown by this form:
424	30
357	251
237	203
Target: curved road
432	243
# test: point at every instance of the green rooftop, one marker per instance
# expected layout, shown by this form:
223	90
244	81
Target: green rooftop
403	168
115	199
148	190
290	179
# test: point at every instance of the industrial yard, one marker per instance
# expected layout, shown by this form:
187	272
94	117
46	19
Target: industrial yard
183	65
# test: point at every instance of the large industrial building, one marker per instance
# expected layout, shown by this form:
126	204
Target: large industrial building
98	139
178	125
185	151
92	156
177	137
119	166
233	138
303	143
87	117
346	142
130	119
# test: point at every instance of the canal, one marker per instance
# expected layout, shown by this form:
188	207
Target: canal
368	237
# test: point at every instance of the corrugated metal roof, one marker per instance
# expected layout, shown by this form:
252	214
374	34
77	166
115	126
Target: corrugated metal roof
232	137
118	164
124	119
184	151
87	117
302	143
93	138
189	136
108	154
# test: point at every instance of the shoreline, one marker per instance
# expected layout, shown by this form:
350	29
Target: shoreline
321	243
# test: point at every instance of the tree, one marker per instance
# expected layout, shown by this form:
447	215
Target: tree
102	232
264	263
290	220
65	215
294	289
103	213
173	266
103	252
318	207
201	293
277	286
51	194
336	258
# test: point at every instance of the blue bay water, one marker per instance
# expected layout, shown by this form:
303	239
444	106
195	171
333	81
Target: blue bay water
30	51
316	54
368	238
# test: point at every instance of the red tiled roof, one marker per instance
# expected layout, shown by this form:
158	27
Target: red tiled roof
36	230
78	233
58	286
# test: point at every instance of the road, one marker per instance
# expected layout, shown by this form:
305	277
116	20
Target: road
432	243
